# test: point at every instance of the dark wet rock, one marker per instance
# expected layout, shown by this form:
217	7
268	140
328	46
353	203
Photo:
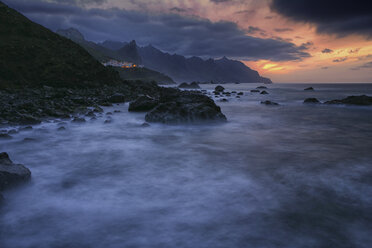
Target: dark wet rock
117	111
109	113
106	104
224	100
255	91
261	87
10	173
362	100
145	124
117	98
61	129
240	93
311	100
98	110
78	119
216	93
270	103
185	107
91	114
219	88
193	85
108	121
264	92
143	104
5	136
27	119
309	88
237	96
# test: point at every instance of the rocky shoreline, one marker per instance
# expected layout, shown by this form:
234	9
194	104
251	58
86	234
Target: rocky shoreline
31	106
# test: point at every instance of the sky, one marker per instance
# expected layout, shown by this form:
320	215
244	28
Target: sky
314	41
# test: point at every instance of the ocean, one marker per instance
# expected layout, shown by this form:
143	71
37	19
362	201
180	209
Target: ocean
293	175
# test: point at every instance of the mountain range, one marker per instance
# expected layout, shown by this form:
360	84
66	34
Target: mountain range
178	67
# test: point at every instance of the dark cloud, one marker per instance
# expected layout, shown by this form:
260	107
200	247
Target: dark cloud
337	17
173	33
179	10
340	60
220	1
367	65
281	30
327	50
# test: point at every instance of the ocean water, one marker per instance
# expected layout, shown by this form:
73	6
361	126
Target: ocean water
288	176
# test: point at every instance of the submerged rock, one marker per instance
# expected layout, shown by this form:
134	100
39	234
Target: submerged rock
255	91
145	124
261	87
5	136
311	100
78	119
185	107
10	173
142	104
219	88
264	92
309	88
270	103
362	100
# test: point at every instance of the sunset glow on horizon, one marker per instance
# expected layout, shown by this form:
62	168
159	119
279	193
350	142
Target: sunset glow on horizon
284	44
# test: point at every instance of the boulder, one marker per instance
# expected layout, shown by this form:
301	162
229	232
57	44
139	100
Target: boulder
270	103
311	100
143	104
309	88
185	107
116	98
242	93
219	88
362	100
264	92
10	173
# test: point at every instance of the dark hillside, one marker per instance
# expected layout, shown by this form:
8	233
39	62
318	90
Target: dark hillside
33	55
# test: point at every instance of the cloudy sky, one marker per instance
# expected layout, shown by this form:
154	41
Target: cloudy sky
286	40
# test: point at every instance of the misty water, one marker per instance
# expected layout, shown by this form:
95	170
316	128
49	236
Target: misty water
294	175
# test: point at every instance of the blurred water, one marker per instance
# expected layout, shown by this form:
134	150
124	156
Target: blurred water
289	176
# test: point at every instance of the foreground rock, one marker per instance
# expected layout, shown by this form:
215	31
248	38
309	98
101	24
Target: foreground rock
143	104
193	85
311	100
362	100
10	173
184	107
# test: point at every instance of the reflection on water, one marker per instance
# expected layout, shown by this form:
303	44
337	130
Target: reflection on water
288	176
